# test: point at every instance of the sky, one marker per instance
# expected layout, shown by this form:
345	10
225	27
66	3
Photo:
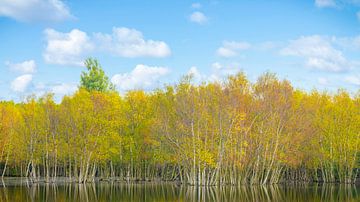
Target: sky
315	44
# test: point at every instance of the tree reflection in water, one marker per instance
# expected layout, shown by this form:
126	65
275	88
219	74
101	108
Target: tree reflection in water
115	191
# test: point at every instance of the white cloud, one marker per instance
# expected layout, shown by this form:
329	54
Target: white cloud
218	72
323	81
325	3
58	89
355	80
63	89
72	48
336	3
198	17
25	67
130	43
318	53
141	77
349	43
66	48
225	52
21	83
216	66
194	71
196	5
358	15
230	48
267	45
197	76
35	10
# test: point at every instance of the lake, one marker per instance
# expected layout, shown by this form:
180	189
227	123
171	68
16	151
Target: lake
12	189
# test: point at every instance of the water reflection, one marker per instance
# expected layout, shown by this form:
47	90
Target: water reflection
106	191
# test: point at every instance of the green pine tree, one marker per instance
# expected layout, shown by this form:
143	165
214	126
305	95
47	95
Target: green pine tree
94	79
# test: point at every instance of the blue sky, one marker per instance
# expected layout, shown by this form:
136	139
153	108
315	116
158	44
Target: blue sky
145	44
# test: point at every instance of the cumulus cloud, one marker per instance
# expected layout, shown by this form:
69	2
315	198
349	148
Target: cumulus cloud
58	89
21	83
66	48
325	3
336	3
25	67
231	48
323	81
63	89
349	43
130	43
217	73
198	17
141	77
73	47
196	75
318	53
34	10
225	52
355	80
267	45
194	71
196	5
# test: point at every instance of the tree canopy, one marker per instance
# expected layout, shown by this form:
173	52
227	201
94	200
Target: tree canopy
95	79
231	132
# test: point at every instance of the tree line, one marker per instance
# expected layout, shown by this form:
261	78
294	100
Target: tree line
214	133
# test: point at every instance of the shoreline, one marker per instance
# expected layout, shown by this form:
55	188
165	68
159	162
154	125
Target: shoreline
65	180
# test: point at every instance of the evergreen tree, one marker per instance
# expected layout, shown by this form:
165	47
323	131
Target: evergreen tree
95	79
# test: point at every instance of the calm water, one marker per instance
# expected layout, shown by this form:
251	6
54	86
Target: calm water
16	190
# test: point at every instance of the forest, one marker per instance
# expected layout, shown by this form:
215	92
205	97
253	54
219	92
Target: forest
228	132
